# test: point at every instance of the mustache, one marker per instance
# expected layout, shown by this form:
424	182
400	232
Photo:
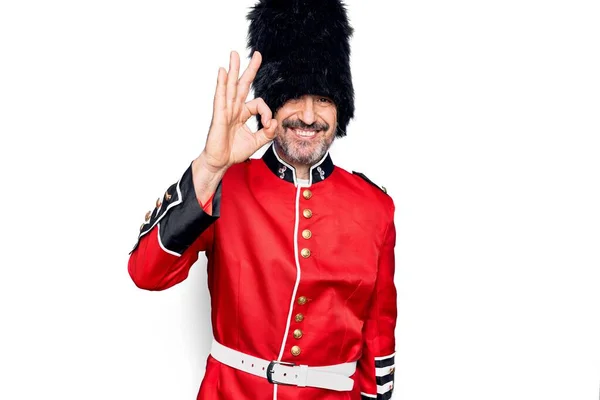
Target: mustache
317	126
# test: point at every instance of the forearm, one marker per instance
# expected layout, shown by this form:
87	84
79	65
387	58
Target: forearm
206	179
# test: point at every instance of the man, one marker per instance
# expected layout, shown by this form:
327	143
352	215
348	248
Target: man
300	252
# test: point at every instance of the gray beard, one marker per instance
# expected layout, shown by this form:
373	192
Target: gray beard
285	146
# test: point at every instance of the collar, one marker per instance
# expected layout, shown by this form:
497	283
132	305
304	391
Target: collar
317	173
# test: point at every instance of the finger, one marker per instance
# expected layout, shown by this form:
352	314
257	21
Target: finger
247	77
232	78
220	100
254	107
266	134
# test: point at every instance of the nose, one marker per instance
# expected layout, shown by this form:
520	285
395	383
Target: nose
307	112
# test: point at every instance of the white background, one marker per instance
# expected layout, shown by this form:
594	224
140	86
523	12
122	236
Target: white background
481	118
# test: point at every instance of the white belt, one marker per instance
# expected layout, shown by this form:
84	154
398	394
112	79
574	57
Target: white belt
334	377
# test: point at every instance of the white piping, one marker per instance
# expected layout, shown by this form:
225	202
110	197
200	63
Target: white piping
162	246
374	396
296	258
298	273
384	357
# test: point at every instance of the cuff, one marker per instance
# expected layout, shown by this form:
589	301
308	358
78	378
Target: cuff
179	217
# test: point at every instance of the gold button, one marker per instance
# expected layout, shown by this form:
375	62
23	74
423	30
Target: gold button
297	333
306	234
295	350
302	300
391	369
167	196
305	253
299	317
148	214
142	226
158	203
307	213
307	194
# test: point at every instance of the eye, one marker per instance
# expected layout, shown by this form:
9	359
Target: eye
325	100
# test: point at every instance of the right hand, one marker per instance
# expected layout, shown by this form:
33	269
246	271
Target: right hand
229	140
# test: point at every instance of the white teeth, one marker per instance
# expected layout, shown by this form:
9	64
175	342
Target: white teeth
305	133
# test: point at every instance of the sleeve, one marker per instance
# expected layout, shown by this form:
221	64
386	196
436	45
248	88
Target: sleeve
376	365
172	235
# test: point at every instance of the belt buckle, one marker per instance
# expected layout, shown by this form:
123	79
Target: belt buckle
270	371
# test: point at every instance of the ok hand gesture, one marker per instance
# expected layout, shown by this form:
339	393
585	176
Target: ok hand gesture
229	140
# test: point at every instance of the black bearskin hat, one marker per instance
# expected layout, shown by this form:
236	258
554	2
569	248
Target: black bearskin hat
305	50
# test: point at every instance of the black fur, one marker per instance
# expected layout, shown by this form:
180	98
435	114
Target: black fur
305	50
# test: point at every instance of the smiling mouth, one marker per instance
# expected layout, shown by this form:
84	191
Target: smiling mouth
305	133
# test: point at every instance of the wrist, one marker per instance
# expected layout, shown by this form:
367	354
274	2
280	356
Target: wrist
202	162
206	178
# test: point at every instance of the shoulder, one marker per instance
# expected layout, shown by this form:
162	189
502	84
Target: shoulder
369	189
364	177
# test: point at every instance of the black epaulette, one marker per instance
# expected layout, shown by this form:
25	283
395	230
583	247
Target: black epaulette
382	188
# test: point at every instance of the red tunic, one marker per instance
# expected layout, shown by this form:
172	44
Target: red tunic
310	267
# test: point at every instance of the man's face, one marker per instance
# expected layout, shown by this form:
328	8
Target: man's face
306	128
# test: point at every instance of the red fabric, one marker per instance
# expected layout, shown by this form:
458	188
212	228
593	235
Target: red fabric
348	278
207	207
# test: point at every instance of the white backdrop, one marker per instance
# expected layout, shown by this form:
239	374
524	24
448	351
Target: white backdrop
481	119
